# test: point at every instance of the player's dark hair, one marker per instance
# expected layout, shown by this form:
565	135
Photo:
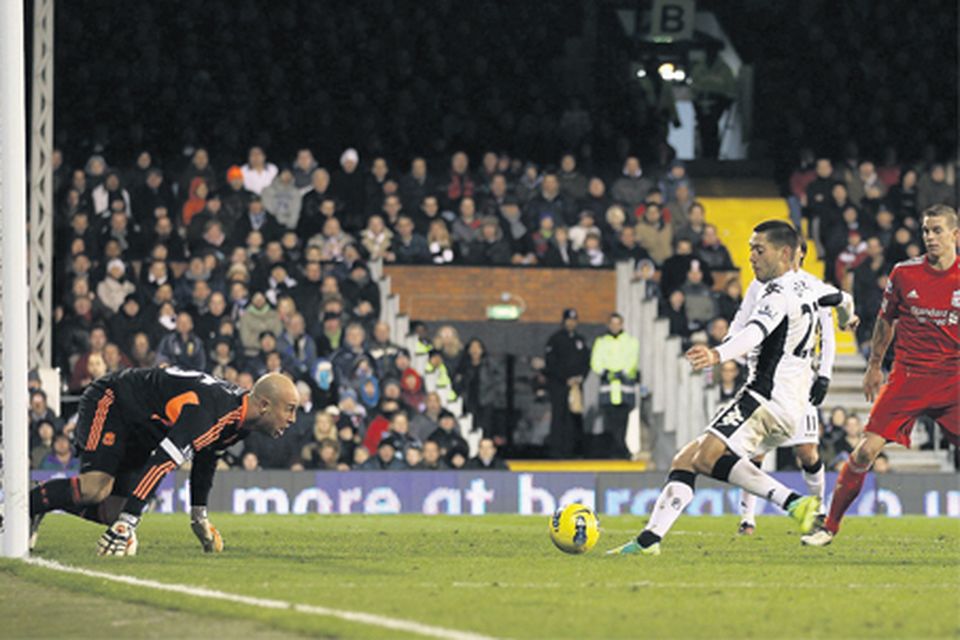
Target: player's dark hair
941	211
779	233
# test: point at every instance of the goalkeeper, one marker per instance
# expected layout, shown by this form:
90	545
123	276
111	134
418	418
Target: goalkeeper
137	425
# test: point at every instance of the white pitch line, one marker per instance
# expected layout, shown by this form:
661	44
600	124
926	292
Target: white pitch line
385	622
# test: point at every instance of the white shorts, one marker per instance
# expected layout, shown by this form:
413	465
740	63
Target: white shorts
748	428
808	428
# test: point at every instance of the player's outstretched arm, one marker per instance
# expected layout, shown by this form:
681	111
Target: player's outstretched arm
201	481
873	378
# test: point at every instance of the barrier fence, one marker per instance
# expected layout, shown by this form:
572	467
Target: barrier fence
479	493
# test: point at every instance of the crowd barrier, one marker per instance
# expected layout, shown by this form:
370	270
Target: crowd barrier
479	493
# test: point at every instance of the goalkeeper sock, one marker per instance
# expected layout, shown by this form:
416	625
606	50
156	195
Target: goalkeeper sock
62	493
815	478
673	499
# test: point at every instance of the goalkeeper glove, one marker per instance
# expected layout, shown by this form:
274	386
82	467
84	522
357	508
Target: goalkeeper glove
121	538
819	390
207	534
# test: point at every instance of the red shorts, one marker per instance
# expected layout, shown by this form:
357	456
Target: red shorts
911	393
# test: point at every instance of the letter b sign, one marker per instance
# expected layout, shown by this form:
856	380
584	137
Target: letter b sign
673	20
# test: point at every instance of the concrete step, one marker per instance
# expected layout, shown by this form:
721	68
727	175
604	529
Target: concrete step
902	459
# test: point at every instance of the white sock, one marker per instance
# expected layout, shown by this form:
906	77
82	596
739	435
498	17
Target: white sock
746	476
670	504
816	483
748	507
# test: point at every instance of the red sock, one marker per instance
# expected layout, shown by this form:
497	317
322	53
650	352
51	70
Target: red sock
849	483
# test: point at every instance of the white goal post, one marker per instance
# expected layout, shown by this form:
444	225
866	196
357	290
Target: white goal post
13	228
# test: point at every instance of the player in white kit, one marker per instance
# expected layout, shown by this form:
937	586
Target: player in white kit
778	336
806	439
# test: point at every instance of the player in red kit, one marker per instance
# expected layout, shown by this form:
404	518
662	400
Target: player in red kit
922	303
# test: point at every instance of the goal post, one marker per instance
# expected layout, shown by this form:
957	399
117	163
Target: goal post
13	263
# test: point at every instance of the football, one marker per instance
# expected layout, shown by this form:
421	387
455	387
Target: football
574	528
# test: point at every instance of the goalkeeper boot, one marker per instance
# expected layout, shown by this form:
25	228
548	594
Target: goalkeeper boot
805	510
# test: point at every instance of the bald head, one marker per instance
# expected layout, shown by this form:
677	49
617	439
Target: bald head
273	404
275	387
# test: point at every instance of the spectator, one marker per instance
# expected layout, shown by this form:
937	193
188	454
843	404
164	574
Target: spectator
408	247
614	359
902	198
347	186
258	173
361	294
386	458
235	198
107	191
701	307
61	457
596	199
416	185
487	458
626	247
584	227
592	254
729	382
567	365
345	358
316	205
41	443
550	200
82	376
182	348
303	167
676	314
459	183
560	252
631	188
933	188
282	198
431	458
258	316
729	299
41	412
376	238
675	178
297	347
256	219
196	201
529	183
695	227
141	353
151	196
516	231
479	380
447	434
653	235
490	248
644	272
712	252
425	422
675	268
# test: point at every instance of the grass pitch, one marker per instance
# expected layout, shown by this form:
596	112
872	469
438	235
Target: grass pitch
498	576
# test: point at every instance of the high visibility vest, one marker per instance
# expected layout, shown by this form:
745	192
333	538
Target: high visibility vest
614	359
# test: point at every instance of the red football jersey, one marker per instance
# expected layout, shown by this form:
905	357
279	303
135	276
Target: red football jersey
926	304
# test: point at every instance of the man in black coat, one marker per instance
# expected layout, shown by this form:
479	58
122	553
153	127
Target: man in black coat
567	364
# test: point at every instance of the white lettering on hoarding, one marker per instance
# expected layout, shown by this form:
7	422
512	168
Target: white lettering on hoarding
529	495
449	495
301	504
479	496
261	499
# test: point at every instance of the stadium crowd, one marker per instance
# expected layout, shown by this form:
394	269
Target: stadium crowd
257	267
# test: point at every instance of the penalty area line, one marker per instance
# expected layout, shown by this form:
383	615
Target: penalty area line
395	624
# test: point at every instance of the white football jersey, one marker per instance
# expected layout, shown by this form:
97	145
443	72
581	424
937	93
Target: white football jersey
824	327
780	370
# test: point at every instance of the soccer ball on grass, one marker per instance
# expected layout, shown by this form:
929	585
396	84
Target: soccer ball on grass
574	528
